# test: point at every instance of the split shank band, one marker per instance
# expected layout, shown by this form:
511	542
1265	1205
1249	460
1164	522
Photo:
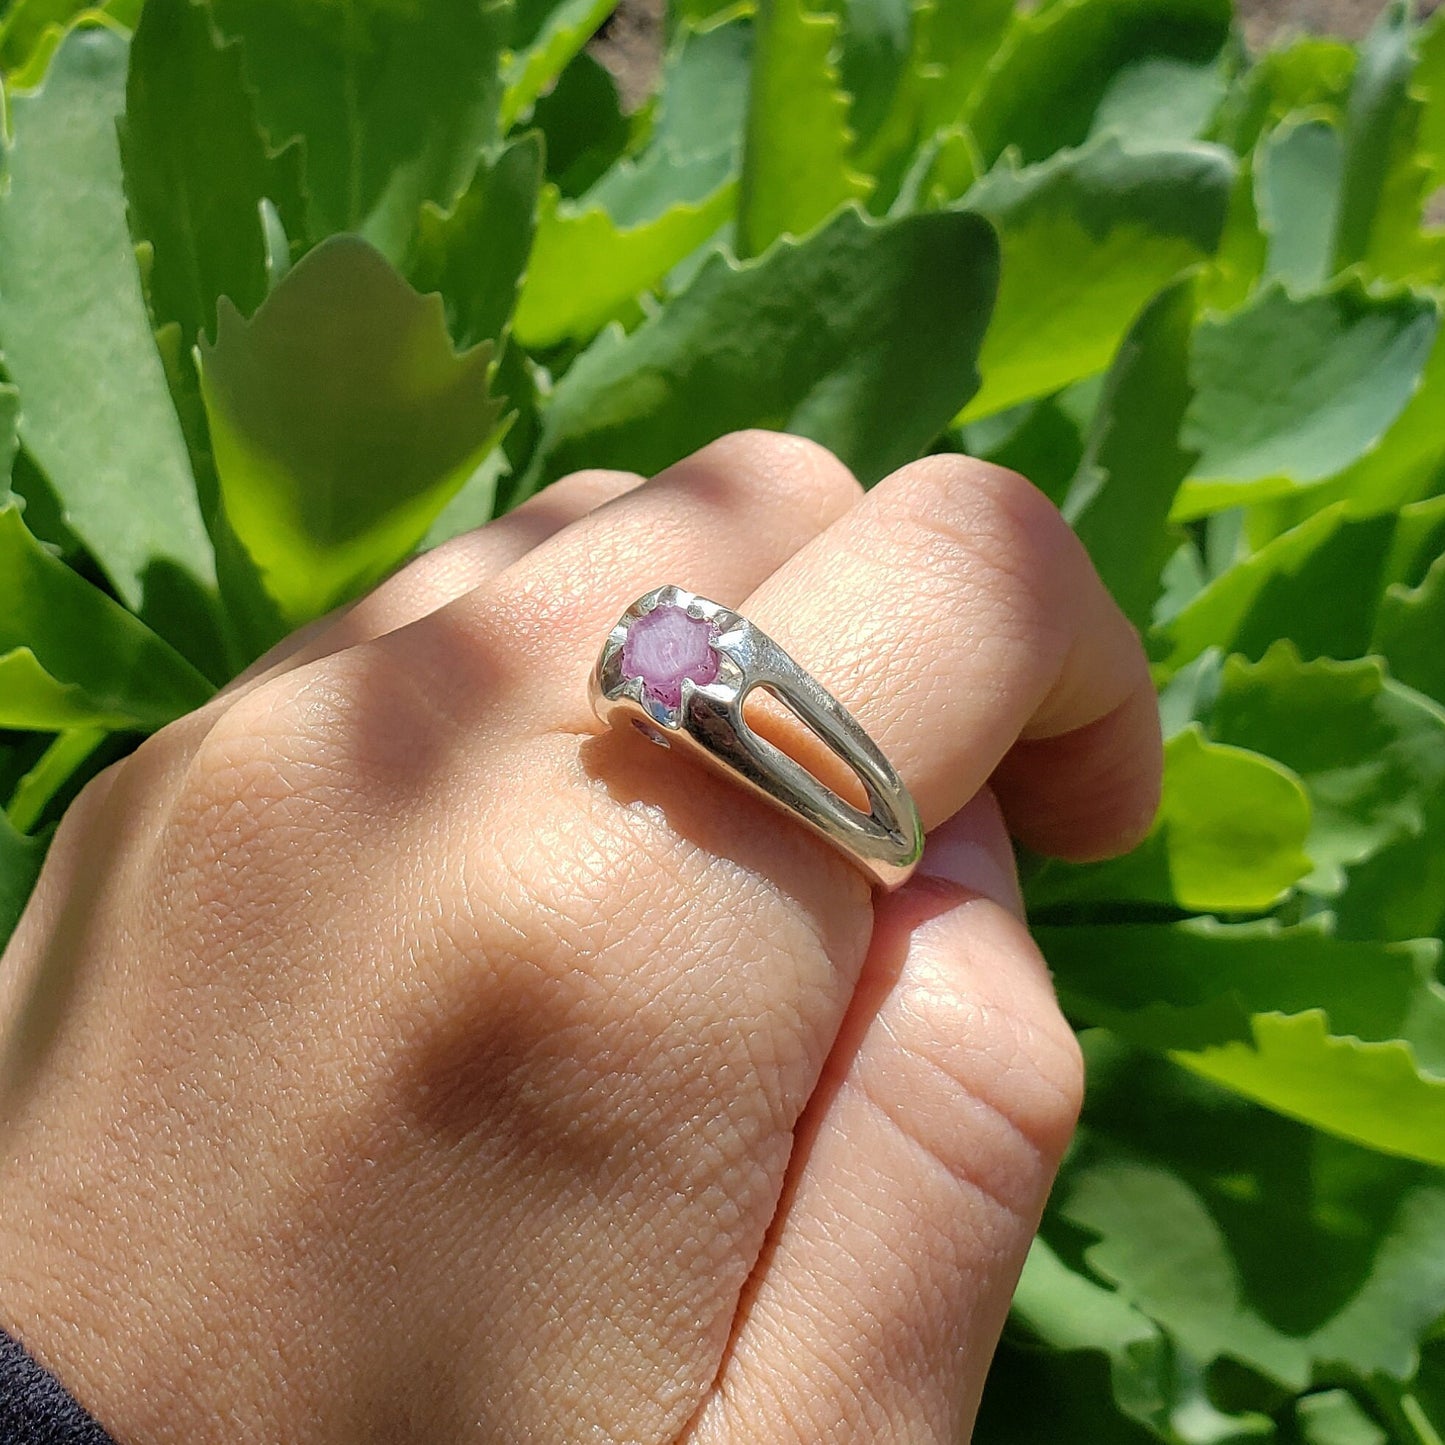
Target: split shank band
679	667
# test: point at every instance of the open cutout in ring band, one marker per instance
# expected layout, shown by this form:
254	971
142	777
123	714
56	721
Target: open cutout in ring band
679	668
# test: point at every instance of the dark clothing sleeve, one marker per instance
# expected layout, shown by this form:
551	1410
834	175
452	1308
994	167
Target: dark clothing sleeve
35	1408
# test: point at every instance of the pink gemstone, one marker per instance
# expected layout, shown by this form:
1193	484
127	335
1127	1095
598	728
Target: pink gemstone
663	647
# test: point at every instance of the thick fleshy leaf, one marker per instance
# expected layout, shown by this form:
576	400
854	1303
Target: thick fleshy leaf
392	101
796	163
1377	112
1317	584
864	337
1386	183
1128	222
585	130
1252	1238
31	30
697	132
475	254
197	169
9	435
20	860
1335	1417
1191	986
1346	1036
1067	1311
546	35
73	324
342	421
71	656
1297	192
876	44
1410	632
1311	72
1079	68
910	70
593	256
1370	753
1408	463
1120	499
1288	389
56	771
1230	836
585	267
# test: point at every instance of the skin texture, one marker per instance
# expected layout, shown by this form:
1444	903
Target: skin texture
422	1066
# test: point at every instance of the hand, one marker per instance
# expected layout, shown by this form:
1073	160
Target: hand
392	1058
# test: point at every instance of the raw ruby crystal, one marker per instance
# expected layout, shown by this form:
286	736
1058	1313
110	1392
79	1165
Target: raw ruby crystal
663	647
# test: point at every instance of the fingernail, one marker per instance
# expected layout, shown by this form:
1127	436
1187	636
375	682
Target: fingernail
972	849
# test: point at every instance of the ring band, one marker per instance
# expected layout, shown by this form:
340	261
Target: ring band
679	668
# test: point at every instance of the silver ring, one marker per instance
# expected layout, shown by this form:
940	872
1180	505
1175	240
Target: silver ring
678	668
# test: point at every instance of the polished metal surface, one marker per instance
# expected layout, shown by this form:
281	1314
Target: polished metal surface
885	842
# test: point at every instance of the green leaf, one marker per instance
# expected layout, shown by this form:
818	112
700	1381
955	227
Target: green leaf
796	166
197	169
31	30
474	255
20	860
1374	1093
1230	836
954	45
1289	389
581	118
1332	1417
1312	72
1406	464
1297	190
1346	1036
393	100
1066	1311
911	119
1369	752
70	656
696	142
1079	68
595	255
1428	84
1197	985
342	421
876	45
1129	223
864	337
9	435
1120	499
55	769
1249	1238
1384	186
1409	629
1317	584
73	324
546	35
585	268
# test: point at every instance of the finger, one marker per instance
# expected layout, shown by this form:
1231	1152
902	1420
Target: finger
717	522
920	1171
444	573
954	613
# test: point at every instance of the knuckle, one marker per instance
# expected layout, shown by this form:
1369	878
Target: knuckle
267	766
962	518
782	459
